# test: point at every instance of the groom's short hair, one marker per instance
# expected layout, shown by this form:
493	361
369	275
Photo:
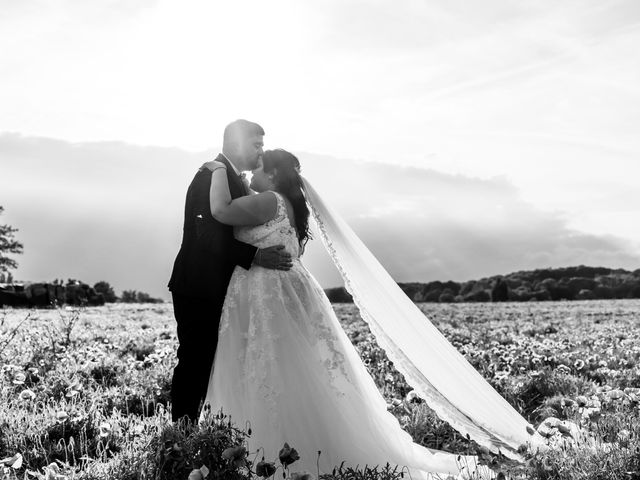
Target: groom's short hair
239	130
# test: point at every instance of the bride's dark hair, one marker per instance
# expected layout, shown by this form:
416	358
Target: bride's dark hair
288	182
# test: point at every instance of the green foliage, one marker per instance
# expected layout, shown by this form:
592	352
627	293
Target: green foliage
446	296
338	295
500	291
129	296
185	446
612	453
8	244
106	290
571	283
98	407
133	296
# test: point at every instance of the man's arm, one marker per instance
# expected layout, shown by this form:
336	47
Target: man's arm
243	254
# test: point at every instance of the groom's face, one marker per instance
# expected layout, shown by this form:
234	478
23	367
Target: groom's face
250	151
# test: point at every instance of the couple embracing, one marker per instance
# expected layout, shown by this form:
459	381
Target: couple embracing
259	339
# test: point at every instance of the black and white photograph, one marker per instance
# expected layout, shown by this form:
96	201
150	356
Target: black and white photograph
319	240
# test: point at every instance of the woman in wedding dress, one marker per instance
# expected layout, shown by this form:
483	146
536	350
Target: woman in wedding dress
284	363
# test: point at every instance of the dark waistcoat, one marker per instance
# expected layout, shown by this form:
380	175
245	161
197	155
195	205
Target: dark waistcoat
209	251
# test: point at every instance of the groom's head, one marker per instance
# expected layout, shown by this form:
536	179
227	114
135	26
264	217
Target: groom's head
242	143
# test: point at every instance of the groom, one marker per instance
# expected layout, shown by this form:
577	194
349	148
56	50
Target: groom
202	270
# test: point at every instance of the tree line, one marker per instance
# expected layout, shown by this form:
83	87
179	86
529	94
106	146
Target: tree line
74	292
568	283
36	294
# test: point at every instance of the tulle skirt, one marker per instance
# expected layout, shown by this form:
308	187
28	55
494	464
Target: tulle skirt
284	364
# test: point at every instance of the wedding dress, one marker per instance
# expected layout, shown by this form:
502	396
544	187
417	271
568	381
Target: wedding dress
284	363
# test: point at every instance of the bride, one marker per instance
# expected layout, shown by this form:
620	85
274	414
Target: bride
284	363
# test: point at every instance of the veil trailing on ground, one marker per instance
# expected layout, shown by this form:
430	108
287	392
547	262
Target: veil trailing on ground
437	372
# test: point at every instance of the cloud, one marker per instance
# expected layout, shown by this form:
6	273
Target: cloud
426	225
95	211
113	211
377	80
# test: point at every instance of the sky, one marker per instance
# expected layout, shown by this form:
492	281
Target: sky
459	139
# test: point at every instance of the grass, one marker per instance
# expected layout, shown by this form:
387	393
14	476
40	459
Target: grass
84	394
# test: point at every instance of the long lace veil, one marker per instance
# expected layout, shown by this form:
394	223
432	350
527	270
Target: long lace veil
437	372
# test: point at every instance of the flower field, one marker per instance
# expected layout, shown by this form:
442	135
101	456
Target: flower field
84	393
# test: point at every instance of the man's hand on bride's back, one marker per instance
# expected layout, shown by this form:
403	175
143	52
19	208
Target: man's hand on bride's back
275	258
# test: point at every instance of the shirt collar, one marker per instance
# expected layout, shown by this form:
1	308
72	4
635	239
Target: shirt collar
232	165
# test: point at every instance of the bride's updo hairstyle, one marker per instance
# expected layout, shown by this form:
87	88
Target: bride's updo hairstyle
288	182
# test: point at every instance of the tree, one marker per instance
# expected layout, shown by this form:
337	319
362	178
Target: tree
8	244
338	295
106	290
146	298
133	296
500	291
129	296
447	296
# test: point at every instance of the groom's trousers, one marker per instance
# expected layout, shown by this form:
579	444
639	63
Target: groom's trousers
198	321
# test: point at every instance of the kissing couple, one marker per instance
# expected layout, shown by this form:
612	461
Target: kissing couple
259	339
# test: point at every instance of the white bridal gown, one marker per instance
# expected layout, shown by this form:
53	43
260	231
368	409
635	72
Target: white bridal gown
284	363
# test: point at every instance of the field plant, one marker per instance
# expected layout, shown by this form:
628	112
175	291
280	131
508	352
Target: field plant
84	394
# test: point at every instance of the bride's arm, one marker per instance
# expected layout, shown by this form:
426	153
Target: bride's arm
247	210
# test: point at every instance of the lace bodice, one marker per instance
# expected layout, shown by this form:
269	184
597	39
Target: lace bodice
277	231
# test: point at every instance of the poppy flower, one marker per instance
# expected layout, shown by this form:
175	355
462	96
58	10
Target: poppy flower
105	429
27	395
288	455
265	469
